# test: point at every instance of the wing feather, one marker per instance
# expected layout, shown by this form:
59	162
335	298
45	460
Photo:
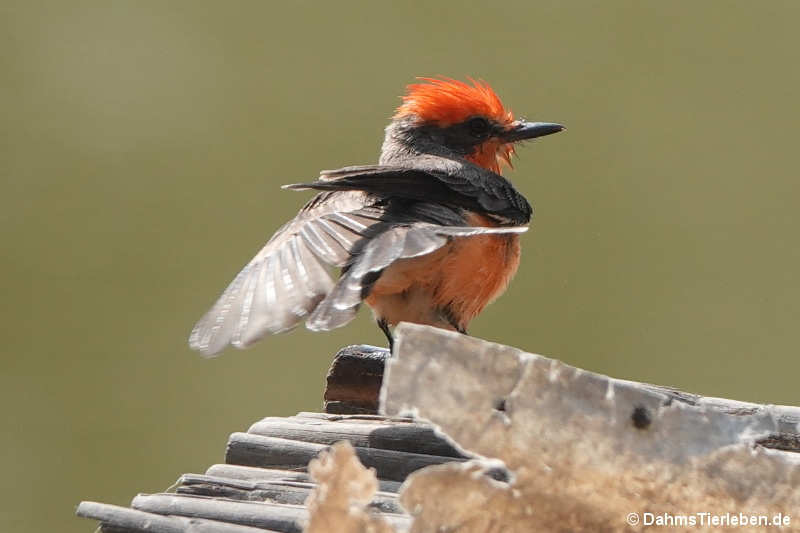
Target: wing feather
366	218
399	242
286	280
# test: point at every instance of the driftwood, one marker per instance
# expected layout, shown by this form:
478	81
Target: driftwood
584	450
343	397
574	451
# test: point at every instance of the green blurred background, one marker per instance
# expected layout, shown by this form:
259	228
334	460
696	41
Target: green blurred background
143	147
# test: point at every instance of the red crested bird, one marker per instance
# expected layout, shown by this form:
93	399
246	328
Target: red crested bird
428	235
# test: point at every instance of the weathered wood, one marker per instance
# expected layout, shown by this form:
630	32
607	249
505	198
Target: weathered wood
354	380
288	492
611	447
283	518
255	473
267	474
581	425
304	415
343	386
125	519
786	417
270	452
787	442
275	517
365	433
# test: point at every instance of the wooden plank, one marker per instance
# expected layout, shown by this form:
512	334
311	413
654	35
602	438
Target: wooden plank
267	474
363	417
282	518
118	519
270	516
406	437
270	452
287	492
354	380
255	473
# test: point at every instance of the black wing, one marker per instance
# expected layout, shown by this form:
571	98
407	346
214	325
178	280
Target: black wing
432	179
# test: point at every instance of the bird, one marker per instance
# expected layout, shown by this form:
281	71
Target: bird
430	234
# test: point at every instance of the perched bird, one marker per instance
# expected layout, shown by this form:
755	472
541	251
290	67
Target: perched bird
428	235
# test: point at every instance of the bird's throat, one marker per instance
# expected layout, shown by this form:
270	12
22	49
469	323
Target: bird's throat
492	155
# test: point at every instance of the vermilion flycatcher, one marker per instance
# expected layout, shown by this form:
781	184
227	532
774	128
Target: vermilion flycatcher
428	235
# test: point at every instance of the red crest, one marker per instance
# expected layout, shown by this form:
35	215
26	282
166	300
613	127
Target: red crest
447	101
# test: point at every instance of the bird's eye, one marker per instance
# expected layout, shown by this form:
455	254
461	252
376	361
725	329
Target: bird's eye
478	126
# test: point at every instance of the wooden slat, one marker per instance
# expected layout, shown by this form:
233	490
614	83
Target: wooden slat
354	380
384	435
288	492
271	452
267	474
277	517
116	518
358	416
282	518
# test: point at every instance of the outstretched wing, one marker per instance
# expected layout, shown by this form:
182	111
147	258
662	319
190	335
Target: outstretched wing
286	280
366	218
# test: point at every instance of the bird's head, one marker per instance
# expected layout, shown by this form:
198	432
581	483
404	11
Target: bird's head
465	119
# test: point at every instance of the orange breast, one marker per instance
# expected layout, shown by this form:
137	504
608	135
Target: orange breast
462	278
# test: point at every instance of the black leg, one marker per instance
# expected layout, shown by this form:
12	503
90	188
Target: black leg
385	329
447	314
456	326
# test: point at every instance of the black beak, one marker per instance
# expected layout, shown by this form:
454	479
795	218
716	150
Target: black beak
521	130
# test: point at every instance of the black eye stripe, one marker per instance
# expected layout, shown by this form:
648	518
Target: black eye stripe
479	126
